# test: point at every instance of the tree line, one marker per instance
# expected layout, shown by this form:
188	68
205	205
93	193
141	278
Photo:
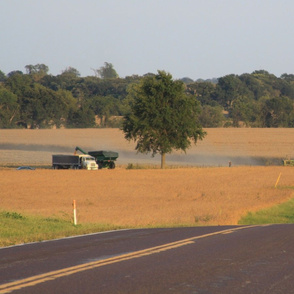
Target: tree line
36	99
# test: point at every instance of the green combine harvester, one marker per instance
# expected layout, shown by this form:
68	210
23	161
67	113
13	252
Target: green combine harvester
104	159
288	162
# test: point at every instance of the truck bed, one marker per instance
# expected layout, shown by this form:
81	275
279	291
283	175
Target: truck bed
65	159
60	161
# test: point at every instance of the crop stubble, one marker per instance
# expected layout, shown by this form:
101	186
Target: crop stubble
241	146
146	197
140	198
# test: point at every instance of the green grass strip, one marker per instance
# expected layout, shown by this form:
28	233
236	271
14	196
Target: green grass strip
279	214
16	228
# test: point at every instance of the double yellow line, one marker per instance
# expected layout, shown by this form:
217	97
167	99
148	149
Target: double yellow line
31	281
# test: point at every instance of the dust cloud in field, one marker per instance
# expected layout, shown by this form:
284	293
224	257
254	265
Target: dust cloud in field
219	147
35	147
42	155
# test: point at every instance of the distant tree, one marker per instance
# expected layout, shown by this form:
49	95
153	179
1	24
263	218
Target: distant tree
277	112
83	117
261	72
117	88
203	91
228	89
18	83
105	107
51	82
287	89
255	88
186	80
40	69
15	72
287	77
213	80
243	110
211	116
149	74
162	116
71	71
67	80
2	76
39	106
269	82
8	108
37	71
107	71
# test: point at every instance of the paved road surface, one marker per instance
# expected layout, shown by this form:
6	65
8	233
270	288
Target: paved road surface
257	259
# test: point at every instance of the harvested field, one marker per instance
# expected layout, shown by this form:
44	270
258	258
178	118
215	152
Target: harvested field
187	196
240	146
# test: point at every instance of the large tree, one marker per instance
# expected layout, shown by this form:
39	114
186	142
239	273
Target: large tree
162	116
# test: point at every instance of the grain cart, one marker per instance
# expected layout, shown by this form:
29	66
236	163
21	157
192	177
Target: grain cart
104	159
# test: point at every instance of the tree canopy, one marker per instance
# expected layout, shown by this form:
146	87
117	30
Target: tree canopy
162	116
107	71
36	99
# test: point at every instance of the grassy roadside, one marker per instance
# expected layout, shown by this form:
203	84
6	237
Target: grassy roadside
16	228
279	214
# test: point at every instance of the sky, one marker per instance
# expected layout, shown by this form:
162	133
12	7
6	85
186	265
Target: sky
187	38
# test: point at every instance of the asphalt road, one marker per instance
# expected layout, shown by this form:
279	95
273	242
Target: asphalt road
257	259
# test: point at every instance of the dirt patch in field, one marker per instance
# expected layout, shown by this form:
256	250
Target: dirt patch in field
188	196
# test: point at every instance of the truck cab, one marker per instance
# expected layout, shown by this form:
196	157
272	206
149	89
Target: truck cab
88	162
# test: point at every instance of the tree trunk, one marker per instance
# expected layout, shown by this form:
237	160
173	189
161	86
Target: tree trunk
163	160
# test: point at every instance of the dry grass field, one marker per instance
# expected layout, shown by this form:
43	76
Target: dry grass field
188	195
241	146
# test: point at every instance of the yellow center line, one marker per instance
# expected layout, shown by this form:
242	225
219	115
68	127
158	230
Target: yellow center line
34	280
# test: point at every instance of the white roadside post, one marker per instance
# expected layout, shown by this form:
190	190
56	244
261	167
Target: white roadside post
75	212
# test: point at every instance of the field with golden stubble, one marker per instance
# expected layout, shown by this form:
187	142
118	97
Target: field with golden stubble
241	146
193	194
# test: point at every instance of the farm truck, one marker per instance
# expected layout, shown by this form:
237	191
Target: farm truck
104	159
74	162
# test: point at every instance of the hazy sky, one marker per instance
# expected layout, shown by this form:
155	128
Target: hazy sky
187	38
